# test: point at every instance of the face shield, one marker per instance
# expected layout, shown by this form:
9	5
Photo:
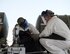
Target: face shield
24	24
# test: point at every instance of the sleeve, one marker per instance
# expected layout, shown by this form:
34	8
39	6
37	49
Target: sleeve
15	31
47	30
62	29
33	29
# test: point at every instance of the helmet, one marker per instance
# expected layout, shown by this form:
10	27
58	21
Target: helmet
20	20
49	12
43	13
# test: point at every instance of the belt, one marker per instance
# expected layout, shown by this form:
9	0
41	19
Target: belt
54	36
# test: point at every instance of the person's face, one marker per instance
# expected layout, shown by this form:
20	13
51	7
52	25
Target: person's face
46	18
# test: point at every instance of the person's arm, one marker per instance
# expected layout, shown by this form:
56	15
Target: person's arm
47	30
34	32
62	29
33	29
15	32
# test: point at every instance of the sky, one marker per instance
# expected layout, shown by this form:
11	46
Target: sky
30	10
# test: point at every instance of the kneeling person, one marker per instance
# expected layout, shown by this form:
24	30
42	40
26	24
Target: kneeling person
25	31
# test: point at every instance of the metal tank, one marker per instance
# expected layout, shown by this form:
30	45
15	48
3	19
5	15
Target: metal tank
3	32
3	28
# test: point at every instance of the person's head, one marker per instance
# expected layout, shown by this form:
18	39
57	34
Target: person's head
48	14
20	20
